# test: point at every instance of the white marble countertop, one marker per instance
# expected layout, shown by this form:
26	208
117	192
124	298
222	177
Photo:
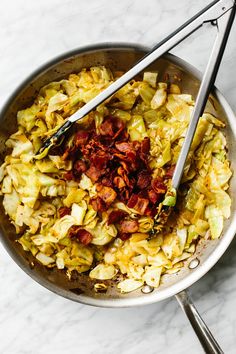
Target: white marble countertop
32	319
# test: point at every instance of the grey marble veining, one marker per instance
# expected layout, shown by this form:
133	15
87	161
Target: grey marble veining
35	321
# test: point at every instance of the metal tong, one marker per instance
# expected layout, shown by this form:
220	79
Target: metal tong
221	14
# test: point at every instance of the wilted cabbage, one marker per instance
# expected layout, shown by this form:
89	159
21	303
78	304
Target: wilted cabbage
48	211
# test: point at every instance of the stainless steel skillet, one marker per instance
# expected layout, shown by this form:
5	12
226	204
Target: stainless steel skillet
80	288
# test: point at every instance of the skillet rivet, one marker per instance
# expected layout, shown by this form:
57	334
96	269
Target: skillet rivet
194	263
147	289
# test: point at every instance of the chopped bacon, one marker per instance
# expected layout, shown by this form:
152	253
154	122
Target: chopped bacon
119	126
153	196
116	216
144	179
106	128
151	211
125	166
78	168
170	171
68	175
124	236
73	230
98	204
107	194
127	149
129	226
84	236
143	194
136	145
100	159
130	182
124	147
145	146
138	204
81	138
64	211
119	167
66	153
81	235
158	185
119	182
106	182
124	195
94	173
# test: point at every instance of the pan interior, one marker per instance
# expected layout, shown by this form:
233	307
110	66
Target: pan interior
80	287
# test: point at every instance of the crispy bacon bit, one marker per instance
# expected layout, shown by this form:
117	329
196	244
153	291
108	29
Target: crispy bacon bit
151	211
145	146
98	204
119	126
138	204
68	175
81	138
124	236
118	166
84	236
144	179
107	194
124	147
100	159
78	168
81	235
158	185
64	211
106	182
93	173
119	182
129	226
73	230
153	196
136	145
116	216
127	149
106	128
132	201
170	172
66	153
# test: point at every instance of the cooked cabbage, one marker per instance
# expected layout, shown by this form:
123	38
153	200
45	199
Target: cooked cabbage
49	210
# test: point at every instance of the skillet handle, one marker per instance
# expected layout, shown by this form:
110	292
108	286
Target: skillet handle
205	337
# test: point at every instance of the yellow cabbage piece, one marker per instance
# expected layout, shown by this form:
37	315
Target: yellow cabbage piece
215	219
26	118
128	285
62	226
103	272
74	196
151	78
78	212
152	275
44	259
102	234
160	96
136	128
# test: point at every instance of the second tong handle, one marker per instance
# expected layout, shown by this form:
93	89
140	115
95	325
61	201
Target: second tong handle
210	13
